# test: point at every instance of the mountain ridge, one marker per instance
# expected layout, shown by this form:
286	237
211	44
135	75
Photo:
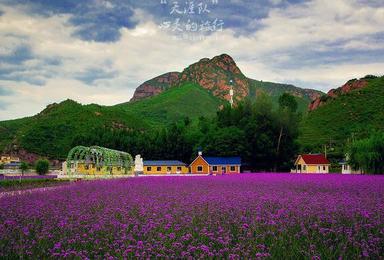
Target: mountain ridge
348	113
349	86
218	75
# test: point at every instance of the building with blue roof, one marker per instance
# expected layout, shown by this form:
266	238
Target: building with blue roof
215	165
12	165
165	167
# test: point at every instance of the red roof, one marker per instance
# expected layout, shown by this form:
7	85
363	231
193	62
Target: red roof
315	159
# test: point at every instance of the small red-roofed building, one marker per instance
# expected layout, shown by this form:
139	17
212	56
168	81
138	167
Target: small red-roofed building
312	163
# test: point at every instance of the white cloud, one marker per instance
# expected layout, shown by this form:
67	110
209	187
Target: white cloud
145	52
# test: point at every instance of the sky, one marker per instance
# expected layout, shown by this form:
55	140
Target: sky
99	51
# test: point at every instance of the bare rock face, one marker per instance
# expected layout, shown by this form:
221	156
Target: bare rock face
312	94
155	86
315	104
216	75
213	74
334	93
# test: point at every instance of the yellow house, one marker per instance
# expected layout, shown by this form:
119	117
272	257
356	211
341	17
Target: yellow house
10	162
92	169
9	159
215	165
312	163
165	167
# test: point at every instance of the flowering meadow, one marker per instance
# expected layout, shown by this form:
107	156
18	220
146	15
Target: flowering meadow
243	216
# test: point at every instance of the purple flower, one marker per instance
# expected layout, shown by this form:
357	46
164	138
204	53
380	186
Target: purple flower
251	216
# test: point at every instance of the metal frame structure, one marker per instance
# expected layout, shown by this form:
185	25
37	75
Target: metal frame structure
100	157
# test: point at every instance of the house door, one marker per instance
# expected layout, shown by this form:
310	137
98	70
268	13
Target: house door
223	170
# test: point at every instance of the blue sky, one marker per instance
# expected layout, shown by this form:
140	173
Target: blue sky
99	51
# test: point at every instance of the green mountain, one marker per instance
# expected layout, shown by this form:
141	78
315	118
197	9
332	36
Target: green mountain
275	90
347	113
174	104
218	75
52	131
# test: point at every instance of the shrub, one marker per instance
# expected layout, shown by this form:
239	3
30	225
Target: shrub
370	77
23	167
42	166
324	98
351	80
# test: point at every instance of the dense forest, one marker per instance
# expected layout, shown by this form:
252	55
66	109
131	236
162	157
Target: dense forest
263	135
368	154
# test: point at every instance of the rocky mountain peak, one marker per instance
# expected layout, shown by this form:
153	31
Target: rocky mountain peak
216	75
334	93
226	62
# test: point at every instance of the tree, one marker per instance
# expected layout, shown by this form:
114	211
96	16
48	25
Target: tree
23	167
229	141
42	166
287	120
287	101
368	154
187	121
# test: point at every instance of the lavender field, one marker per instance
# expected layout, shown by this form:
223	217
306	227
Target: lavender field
246	216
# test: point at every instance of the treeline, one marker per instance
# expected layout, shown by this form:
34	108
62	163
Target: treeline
368	154
263	136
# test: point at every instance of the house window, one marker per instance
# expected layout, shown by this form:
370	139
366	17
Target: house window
214	168
233	168
98	169
199	168
323	168
86	167
304	167
179	169
149	168
169	169
158	169
119	168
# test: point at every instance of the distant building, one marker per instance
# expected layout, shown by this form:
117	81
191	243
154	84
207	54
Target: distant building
10	162
5	159
165	167
12	165
312	163
215	165
96	160
347	169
